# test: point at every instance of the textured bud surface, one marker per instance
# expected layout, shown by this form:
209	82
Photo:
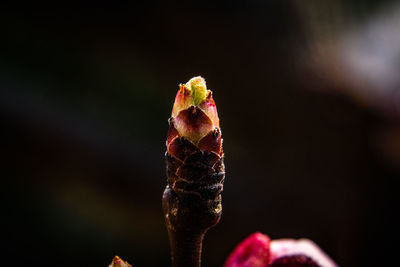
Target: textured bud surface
194	158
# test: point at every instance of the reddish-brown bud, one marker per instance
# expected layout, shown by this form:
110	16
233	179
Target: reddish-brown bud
194	157
195	170
195	117
118	262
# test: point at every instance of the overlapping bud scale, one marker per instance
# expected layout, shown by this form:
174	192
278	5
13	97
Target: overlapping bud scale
195	118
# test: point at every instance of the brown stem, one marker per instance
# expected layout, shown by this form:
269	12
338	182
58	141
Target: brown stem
192	203
188	217
186	247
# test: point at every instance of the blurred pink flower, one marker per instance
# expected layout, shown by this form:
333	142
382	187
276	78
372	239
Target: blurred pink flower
258	250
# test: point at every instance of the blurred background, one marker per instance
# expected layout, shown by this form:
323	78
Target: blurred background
308	94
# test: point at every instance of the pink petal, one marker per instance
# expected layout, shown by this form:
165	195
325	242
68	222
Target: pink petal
252	252
287	247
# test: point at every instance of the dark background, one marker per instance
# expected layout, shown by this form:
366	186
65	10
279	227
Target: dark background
85	94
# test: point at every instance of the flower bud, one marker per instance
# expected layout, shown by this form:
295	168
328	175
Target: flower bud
195	118
118	262
194	159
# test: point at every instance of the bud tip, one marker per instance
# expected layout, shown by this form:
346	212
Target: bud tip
199	89
118	262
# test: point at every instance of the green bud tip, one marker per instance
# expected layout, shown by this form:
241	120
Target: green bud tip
199	89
